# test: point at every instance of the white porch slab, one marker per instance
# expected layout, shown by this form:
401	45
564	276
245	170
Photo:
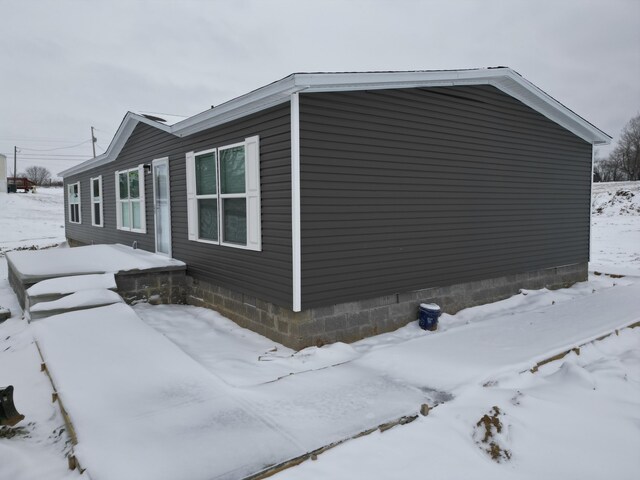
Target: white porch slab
37	265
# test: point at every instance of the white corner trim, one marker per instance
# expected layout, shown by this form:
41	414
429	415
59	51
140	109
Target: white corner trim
295	204
593	160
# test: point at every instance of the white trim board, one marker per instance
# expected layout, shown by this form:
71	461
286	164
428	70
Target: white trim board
296	260
280	92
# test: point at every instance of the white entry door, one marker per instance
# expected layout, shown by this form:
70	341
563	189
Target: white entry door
162	206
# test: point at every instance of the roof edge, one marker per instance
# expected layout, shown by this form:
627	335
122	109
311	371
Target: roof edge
503	78
121	136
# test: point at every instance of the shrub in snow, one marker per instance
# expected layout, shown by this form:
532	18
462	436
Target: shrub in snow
487	434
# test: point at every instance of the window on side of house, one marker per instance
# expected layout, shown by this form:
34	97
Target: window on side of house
130	203
223	195
73	199
96	201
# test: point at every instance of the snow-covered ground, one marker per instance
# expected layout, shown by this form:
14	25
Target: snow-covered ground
31	219
576	417
615	228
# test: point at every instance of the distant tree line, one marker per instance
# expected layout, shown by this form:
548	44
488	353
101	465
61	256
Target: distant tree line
41	176
623	163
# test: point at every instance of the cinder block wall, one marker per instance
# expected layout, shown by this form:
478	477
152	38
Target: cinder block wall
343	322
348	322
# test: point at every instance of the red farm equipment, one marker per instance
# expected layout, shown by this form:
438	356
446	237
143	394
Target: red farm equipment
20	183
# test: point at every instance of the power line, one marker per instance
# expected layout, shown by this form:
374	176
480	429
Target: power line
36	139
49	159
36	161
52	155
52	149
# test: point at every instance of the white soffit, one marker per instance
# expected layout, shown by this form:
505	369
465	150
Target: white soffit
280	92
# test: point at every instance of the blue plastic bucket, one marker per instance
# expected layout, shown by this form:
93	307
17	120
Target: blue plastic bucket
429	314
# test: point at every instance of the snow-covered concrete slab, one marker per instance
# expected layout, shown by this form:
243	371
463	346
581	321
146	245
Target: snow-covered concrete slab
83	299
32	266
332	392
71	284
143	409
475	352
575	418
239	356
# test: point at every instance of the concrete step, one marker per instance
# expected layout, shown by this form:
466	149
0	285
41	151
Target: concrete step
53	289
81	300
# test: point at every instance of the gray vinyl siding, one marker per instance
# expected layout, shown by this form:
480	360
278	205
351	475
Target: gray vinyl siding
266	274
407	189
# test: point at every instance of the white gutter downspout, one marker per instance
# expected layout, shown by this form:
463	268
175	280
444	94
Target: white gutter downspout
295	204
593	158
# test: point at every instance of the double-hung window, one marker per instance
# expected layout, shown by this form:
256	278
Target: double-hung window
73	200
223	195
96	201
130	208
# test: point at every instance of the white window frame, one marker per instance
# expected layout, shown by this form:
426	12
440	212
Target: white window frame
130	201
223	196
70	203
251	195
96	200
214	196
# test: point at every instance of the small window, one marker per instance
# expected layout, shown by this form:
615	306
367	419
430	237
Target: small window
73	199
223	195
130	210
96	202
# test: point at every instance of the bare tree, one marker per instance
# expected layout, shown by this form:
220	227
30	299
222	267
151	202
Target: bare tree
608	169
623	163
627	151
38	175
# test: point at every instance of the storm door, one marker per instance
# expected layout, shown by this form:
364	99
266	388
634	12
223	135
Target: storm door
162	206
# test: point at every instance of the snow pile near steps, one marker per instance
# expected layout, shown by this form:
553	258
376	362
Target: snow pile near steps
38	449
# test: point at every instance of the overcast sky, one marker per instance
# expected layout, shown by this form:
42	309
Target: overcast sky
69	65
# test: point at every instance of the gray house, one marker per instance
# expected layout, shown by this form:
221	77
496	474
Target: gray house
326	206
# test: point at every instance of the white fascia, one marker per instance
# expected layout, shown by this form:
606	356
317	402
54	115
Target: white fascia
520	88
125	129
502	78
266	97
296	260
281	91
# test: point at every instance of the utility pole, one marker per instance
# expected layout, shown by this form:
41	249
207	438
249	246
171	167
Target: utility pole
93	142
15	162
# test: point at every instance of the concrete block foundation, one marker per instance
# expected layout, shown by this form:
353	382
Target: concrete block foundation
348	322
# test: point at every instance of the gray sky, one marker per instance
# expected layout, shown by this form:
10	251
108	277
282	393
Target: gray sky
68	65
